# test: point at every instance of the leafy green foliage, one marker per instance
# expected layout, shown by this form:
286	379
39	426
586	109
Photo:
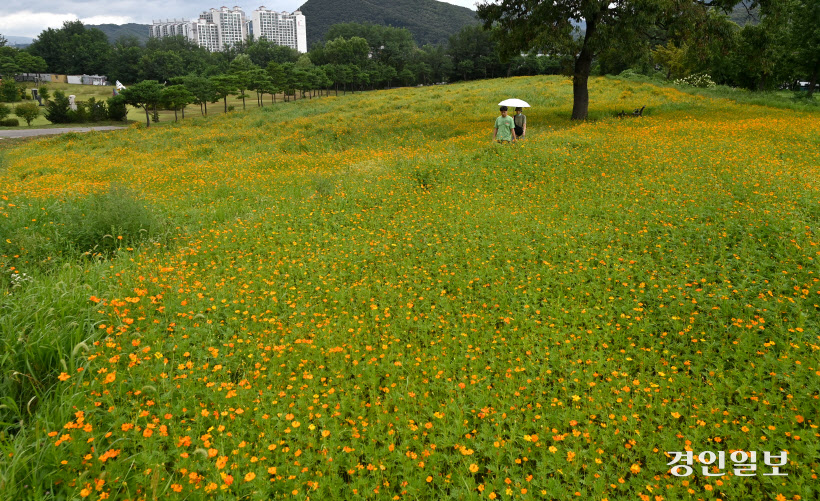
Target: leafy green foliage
9	90
145	94
28	112
58	109
97	110
73	49
117	108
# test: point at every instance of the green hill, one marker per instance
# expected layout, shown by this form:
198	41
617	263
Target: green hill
428	20
117	31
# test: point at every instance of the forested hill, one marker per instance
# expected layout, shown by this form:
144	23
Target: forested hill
428	20
116	31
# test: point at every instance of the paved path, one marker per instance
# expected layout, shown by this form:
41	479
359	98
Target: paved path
12	133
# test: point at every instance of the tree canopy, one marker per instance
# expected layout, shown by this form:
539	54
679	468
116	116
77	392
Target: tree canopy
73	49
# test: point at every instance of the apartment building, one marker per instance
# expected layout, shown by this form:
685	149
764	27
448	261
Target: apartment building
218	29
170	28
280	28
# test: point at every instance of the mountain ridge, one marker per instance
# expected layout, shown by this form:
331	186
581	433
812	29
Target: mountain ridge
429	21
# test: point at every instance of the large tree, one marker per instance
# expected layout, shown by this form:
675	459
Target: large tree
73	49
145	94
580	29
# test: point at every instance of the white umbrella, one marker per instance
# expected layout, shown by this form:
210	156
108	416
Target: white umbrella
515	103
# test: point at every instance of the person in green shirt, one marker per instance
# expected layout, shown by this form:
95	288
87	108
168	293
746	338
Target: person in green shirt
504	127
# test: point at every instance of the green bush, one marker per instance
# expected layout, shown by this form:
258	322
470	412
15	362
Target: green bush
57	110
4	111
81	115
97	111
117	110
45	93
28	112
10	122
9	91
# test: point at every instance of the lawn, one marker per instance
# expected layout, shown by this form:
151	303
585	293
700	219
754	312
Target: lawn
364	297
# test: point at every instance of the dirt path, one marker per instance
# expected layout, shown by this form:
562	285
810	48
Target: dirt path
15	133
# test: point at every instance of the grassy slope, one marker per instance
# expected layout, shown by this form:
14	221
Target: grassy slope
365	293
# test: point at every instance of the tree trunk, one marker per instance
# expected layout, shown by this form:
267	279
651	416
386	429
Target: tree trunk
580	77
176	117
206	108
183	112
813	81
147	118
226	102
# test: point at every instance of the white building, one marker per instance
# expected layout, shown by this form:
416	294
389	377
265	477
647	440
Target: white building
205	34
169	28
230	23
280	28
218	29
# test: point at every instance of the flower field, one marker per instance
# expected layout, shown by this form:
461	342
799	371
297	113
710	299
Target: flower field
364	297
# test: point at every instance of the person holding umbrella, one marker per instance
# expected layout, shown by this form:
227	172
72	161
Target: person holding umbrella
504	130
518	125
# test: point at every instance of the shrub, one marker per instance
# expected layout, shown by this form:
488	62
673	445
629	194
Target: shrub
9	122
117	109
57	110
4	111
9	91
28	112
97	111
80	115
45	93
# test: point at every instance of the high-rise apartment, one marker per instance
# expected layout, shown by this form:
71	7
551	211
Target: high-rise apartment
280	28
218	29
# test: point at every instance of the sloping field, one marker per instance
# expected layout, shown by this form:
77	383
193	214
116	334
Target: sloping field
364	297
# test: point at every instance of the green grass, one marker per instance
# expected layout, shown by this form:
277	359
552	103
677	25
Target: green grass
785	99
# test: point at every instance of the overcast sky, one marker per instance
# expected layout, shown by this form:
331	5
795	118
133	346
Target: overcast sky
28	18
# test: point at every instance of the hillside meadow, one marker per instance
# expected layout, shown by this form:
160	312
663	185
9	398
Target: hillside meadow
364	297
